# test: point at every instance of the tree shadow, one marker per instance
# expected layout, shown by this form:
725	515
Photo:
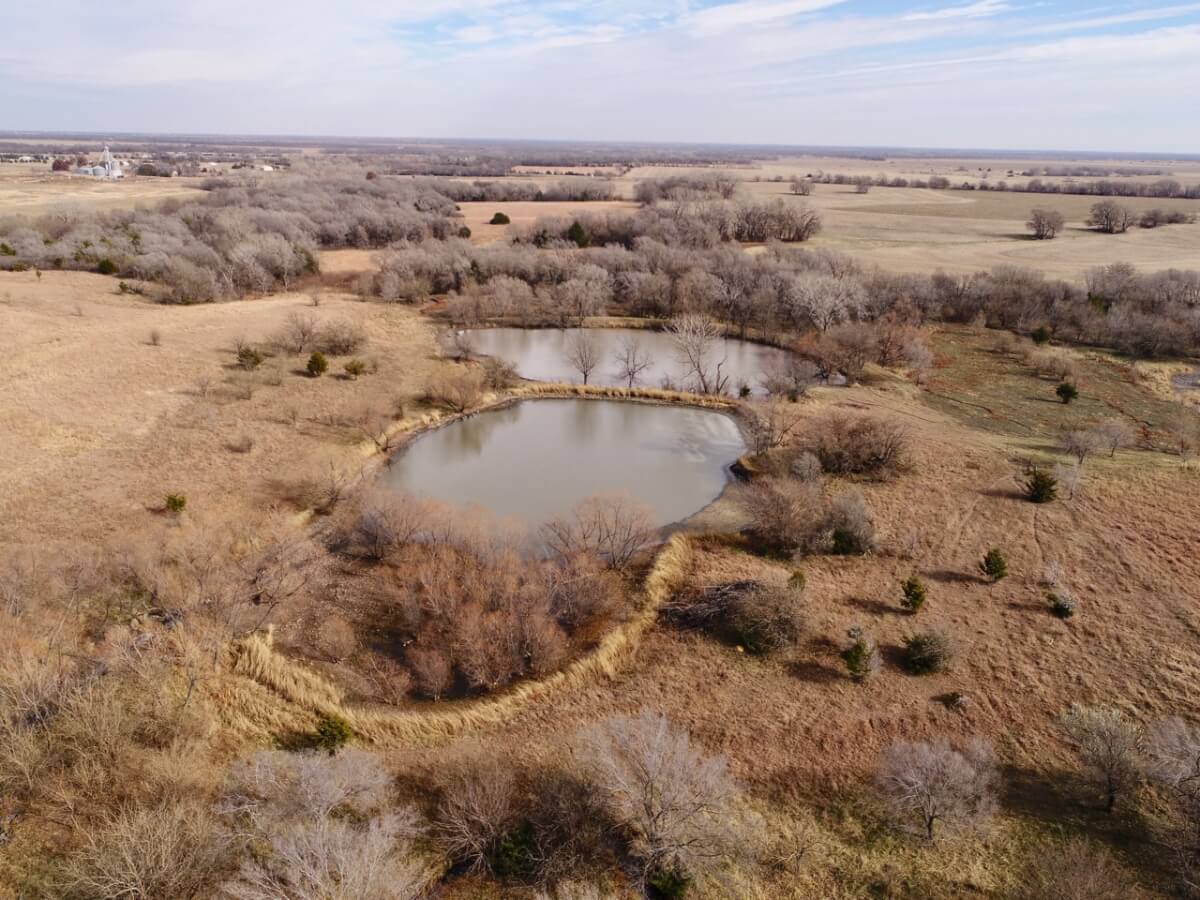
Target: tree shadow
949	576
876	607
814	672
1002	494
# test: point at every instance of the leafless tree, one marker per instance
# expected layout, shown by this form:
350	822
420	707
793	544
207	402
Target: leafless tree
1069	478
674	801
825	300
1082	443
932	783
389	520
457	344
769	424
801	186
583	353
175	850
375	424
1115	434
455	390
1109	744
1045	223
613	526
1173	751
1111	217
633	361
477	809
698	340
299	332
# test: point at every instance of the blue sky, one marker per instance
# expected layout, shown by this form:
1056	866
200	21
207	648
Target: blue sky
955	73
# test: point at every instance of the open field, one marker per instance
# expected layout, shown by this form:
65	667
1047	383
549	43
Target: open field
114	401
98	424
35	192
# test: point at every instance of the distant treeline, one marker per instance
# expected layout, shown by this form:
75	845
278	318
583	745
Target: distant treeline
1164	188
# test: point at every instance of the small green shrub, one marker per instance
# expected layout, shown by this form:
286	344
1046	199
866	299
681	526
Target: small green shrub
1062	604
500	219
797	581
1041	335
355	367
994	566
7	250
175	503
317	364
106	267
516	854
667	885
332	732
1041	487
928	652
464	232
578	234
1067	392
914	594
862	656
248	357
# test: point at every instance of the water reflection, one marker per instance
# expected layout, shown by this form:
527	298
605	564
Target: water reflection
541	354
538	459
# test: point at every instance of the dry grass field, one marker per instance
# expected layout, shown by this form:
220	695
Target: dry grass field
30	190
98	424
111	402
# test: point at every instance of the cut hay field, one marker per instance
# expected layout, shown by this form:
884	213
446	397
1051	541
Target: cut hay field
29	193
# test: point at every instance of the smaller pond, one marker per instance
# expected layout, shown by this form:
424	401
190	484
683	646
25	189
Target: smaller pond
537	459
541	354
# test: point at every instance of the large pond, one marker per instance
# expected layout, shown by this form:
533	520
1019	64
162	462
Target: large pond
538	458
542	354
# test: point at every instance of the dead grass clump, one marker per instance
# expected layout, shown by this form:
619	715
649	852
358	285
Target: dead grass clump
1055	364
1075	870
859	445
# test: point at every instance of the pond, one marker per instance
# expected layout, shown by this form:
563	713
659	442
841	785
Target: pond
541	354
538	458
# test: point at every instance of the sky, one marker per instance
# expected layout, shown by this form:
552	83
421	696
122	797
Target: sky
1002	74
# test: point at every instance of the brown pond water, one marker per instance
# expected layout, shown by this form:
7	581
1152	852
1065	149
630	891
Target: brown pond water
538	458
540	354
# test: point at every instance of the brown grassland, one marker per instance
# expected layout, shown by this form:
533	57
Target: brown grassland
111	402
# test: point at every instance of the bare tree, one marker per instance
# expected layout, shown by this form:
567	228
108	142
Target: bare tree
1045	223
477	810
1173	750
174	850
801	186
389	520
1081	443
1107	743
456	390
1114	434
698	339
1111	217
932	783
299	332
583	353
785	515
673	800
613	526
633	361
375	423
770	424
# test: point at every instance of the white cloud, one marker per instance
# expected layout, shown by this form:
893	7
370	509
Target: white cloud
972	11
718	19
